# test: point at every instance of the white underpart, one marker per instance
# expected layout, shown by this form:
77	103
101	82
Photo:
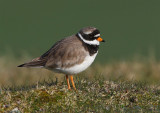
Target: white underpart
79	67
93	42
97	35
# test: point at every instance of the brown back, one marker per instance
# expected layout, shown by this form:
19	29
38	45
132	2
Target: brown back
65	53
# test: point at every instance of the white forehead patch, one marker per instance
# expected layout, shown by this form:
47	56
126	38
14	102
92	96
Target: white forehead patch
97	35
87	32
93	42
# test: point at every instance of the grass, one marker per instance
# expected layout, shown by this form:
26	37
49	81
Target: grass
122	86
91	96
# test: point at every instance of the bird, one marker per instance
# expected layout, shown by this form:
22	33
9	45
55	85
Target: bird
71	55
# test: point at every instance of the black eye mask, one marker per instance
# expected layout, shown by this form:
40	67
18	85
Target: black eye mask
96	32
90	37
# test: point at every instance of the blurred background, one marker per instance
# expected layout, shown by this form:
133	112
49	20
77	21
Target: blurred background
33	26
131	28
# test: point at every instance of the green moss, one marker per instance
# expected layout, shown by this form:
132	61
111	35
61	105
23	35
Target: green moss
94	97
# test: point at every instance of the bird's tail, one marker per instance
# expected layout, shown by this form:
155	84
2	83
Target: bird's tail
34	63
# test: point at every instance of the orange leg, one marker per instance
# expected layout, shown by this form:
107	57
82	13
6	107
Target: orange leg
71	77
68	82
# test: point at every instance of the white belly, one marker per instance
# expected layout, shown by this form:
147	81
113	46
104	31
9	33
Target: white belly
77	68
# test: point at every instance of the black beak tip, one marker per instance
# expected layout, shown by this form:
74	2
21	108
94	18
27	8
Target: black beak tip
103	41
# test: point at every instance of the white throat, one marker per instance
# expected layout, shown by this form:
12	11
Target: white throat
93	42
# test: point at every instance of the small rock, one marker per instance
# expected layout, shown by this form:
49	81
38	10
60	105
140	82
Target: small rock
15	110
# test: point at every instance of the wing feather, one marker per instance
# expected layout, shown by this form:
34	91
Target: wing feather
66	54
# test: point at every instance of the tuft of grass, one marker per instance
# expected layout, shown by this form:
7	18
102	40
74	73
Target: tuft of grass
122	86
91	96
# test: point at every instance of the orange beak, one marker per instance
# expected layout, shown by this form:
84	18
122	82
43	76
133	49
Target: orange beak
100	39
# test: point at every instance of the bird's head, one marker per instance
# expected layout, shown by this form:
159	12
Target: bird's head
90	35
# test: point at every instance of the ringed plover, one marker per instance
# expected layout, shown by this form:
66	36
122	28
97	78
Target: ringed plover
70	55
